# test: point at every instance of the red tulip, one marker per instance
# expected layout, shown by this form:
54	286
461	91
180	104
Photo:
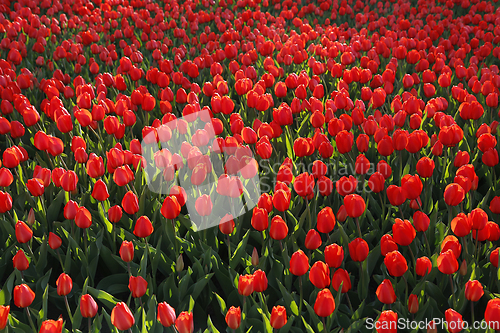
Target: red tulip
279	228
259	281
326	220
100	191
278	317
281	200
477	219
324	304
413	303
492	313
83	219
51	326
245	285
233	317
260	220
454	194
473	290
184	322
319	275
35	186
171	207
121	317
355	205
358	249
450	242
412	186
396	264
204	205
143	227
299	263
23	296
334	255
5	202
387	244
447	262
460	225
385	292
88	306
23	232
55	241
4	316
423	266
115	214
64	284
403	232
137	286
346	186
304	185
387	322
166	314
454	321
421	221
341	276
20	261
396	195
313	240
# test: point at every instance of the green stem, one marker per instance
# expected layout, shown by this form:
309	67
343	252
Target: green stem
452	292
68	309
90	325
301	295
357	225
30	320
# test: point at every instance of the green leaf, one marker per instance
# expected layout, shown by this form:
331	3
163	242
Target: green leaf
42	259
307	326
222	303
290	303
6	292
267	324
240	251
211	327
108	300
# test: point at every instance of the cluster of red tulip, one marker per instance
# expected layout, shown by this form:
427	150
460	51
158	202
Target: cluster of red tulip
370	127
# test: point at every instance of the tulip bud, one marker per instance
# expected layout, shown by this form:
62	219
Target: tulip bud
184	323
413	303
4	316
88	306
166	314
55	241
20	261
431	327
179	265
121	317
463	268
64	284
255	257
31	217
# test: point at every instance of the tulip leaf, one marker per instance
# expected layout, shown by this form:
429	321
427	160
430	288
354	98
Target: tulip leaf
211	327
240	251
309	329
112	328
290	303
45	298
107	299
6	292
267	325
191	304
222	303
198	287
42	258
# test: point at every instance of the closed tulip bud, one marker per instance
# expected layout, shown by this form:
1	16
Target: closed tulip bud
385	292
260	220
278	317
454	194
137	286
326	220
184	322
88	306
51	326
421	221
473	290
23	232
121	317
20	261
130	203
64	284
204	205
115	214
143	227
259	281
454	321
245	285
127	251
23	296
413	303
4	316
423	266
324	304
463	268
432	327
255	257
451	242
233	317
170	208
31	217
313	240
55	241
387	245
299	263
35	186
342	214
166	314
179	264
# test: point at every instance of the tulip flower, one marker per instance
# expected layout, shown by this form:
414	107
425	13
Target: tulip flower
473	290
299	263
395	263
278	317
130	203
423	266
326	220
334	255
88	306
279	228
55	241
143	227
454	321
23	296
260	220
313	240
387	322
23	232
385	292
137	286
492	313
233	317
166	314
454	194
20	261
64	284
324	304
387	244
341	276
51	326
413	303
121	317
184	322
358	249
403	232
4	316
83	219
246	285
319	275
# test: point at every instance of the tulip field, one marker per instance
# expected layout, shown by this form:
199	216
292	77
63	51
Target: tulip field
249	166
